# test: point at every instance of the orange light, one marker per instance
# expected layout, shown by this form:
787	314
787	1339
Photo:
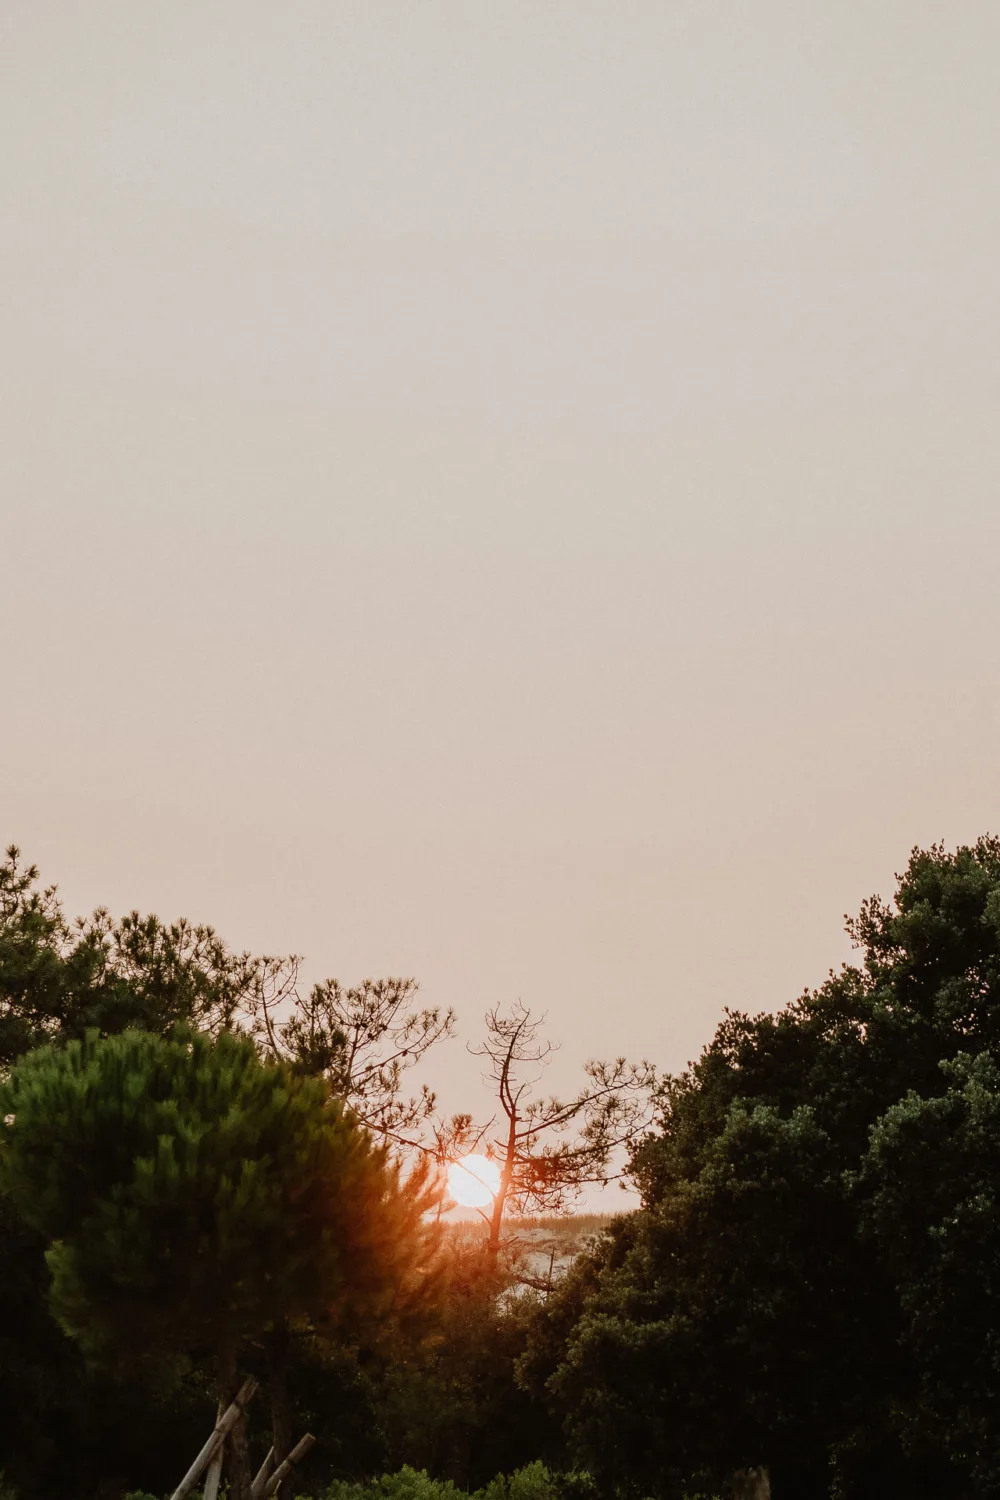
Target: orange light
473	1181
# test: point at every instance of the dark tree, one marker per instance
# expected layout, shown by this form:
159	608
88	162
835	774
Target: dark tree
60	979
449	1402
362	1040
748	1314
195	1199
930	1186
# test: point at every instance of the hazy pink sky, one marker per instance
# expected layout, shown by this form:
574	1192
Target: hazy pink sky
502	492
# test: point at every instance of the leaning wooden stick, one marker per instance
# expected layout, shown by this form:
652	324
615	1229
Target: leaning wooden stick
224	1425
214	1473
263	1474
284	1469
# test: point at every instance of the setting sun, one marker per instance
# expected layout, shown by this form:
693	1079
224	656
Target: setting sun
473	1181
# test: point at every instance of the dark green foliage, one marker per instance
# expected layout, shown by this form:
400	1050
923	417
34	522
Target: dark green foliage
532	1482
363	1040
61	979
812	1283
437	1392
744	1317
195	1196
37	1362
333	1390
65	1429
192	1198
931	1193
451	1403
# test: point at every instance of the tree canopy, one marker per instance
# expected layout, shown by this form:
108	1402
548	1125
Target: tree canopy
798	1289
810	1285
195	1197
60	978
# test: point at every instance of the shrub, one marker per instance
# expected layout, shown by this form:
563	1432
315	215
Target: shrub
533	1482
405	1484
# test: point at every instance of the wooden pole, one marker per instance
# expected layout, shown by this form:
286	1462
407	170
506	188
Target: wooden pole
284	1469
225	1423
263	1474
214	1473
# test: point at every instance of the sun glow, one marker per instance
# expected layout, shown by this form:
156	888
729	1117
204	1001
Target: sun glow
473	1181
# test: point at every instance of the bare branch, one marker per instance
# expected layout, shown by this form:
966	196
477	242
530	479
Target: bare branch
364	1039
539	1170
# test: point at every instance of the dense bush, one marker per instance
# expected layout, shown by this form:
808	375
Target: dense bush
812	1284
534	1482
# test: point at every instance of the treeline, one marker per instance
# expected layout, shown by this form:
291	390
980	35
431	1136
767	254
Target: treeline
812	1283
201	1179
207	1174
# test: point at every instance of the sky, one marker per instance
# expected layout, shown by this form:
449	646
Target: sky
503	493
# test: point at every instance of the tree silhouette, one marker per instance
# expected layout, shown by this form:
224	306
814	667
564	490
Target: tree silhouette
362	1039
549	1149
196	1199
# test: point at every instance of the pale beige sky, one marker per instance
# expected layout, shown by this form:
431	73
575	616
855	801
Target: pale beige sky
502	492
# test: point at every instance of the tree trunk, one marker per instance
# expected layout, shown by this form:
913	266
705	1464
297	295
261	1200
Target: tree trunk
279	1344
237	1448
751	1484
500	1201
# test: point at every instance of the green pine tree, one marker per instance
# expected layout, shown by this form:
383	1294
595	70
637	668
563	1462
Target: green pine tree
195	1198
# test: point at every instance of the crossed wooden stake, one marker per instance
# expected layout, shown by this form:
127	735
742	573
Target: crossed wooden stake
210	1458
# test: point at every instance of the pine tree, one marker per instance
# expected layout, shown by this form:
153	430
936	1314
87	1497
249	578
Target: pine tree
195	1198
